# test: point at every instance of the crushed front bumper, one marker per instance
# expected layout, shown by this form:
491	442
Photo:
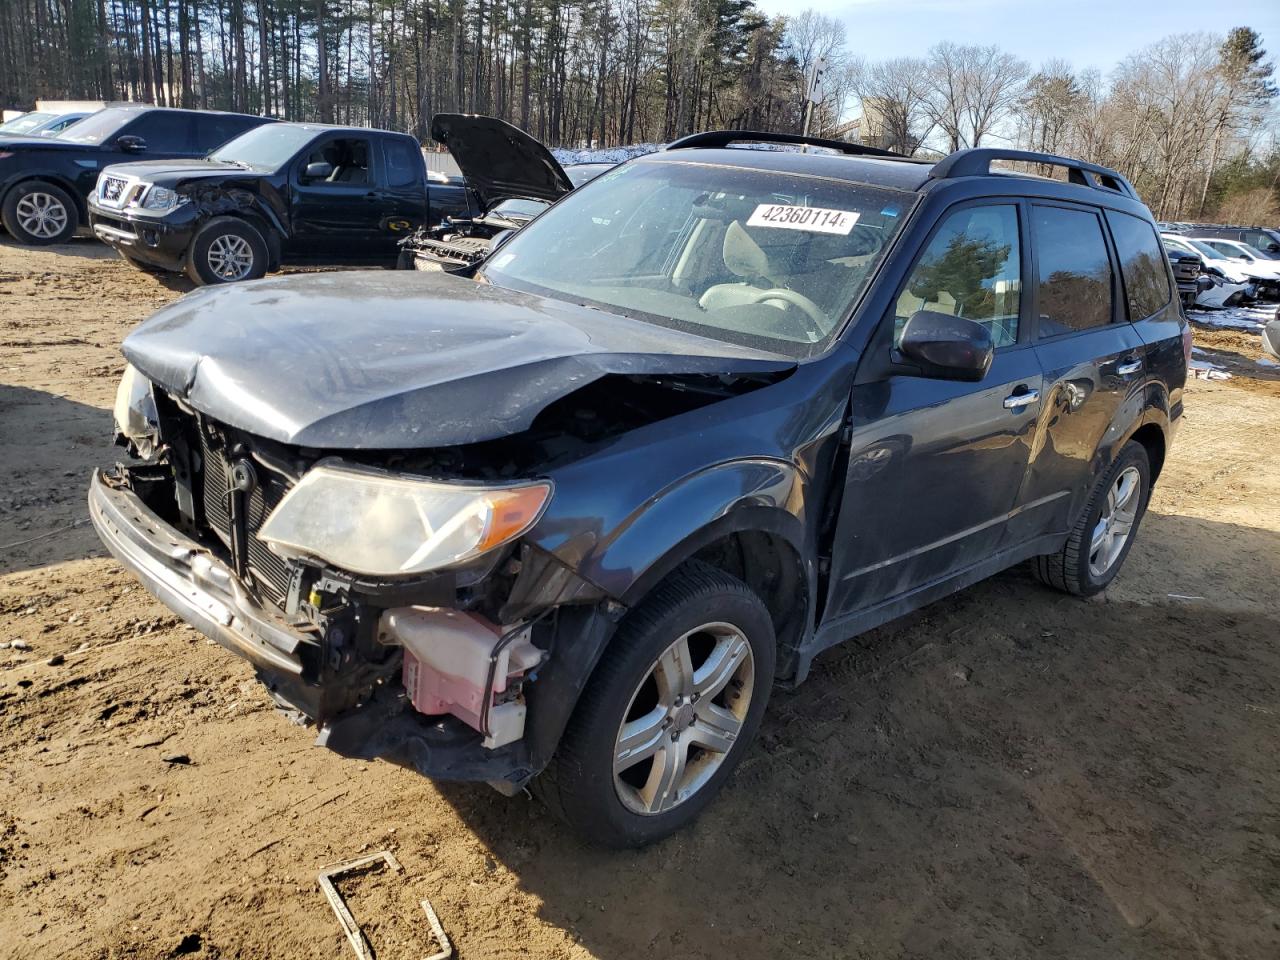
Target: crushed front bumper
188	579
196	585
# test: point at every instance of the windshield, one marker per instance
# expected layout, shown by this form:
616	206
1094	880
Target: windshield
1207	250
98	127
25	123
753	257
268	147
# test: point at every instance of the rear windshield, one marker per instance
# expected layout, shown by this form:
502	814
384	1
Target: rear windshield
752	257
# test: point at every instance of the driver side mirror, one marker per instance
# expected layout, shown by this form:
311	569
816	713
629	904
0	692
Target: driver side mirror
130	144
947	347
318	171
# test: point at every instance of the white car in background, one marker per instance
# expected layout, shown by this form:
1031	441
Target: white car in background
1233	268
1262	267
1218	286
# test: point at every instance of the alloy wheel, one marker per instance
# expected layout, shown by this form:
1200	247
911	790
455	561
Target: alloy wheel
1112	530
230	257
42	215
683	718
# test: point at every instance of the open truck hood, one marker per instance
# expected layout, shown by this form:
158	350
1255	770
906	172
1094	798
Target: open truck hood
500	161
400	360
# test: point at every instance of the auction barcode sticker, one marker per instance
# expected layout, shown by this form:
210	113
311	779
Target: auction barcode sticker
813	219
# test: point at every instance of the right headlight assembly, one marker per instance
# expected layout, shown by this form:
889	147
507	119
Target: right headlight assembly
384	525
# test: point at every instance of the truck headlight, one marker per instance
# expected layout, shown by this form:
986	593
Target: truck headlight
381	525
161	198
135	413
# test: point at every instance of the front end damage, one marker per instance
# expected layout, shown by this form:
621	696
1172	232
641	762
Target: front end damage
433	672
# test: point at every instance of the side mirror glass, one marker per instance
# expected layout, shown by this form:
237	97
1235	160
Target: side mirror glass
947	347
130	144
318	171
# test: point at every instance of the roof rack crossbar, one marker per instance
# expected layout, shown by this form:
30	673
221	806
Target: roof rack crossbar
722	138
976	162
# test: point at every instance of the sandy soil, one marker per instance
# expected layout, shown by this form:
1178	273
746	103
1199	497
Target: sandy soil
1008	773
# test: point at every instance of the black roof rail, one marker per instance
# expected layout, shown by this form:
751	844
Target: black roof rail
722	138
976	162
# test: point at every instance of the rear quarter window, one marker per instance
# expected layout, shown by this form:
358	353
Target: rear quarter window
404	163
1142	264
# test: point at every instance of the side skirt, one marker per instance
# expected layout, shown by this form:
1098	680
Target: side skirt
860	621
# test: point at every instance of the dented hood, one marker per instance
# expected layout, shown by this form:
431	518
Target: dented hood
400	360
500	161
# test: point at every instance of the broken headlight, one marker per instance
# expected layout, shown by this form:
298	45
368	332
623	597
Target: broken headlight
161	198
381	525
135	413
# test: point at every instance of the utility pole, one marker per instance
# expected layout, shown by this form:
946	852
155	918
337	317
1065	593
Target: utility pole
814	91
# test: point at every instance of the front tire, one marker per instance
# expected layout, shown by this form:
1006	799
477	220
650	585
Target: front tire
668	713
39	213
1100	541
226	250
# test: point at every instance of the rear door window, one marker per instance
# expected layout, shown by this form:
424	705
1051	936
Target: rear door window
164	132
1142	264
972	269
215	129
1074	284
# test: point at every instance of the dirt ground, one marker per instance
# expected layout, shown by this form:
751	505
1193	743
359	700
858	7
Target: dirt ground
1009	773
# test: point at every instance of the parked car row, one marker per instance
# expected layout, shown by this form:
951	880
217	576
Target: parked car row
222	196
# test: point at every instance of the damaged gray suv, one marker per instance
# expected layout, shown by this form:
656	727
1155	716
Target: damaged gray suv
567	521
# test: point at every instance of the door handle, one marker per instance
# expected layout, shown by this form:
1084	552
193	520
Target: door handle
1128	367
1016	401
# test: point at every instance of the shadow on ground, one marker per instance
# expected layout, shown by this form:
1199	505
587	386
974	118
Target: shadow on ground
48	445
1009	772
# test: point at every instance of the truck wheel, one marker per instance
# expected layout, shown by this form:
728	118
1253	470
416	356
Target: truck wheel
1098	544
226	250
39	213
668	713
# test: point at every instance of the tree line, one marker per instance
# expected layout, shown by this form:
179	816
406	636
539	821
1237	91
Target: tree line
1186	118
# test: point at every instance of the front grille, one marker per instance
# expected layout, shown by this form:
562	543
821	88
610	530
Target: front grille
269	571
112	190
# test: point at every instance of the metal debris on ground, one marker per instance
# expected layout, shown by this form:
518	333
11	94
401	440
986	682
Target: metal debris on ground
355	936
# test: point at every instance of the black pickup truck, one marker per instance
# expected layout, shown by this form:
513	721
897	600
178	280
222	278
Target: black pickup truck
284	193
44	180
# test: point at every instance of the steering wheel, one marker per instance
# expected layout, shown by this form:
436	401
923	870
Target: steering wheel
810	309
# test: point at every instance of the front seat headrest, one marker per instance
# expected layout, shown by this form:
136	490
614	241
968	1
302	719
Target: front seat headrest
742	255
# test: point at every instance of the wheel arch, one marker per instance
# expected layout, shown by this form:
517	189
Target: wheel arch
57	180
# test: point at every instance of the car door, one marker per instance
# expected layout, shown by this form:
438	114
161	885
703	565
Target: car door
336	217
1092	359
935	465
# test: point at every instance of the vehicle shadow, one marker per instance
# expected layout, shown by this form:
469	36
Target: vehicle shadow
1008	772
48	445
83	247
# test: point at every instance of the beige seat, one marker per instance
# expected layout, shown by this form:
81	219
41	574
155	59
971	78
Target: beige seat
743	258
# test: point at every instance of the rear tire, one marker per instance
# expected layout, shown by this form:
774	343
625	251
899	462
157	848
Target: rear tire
227	250
1094	552
39	213
693	662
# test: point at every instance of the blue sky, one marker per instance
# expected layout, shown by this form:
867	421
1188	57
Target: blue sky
1087	33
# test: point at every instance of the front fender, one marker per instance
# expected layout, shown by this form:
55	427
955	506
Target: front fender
628	555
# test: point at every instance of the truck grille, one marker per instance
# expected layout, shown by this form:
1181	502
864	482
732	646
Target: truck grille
269	571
